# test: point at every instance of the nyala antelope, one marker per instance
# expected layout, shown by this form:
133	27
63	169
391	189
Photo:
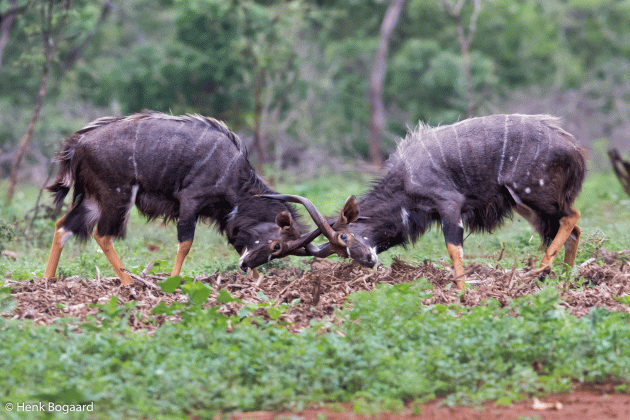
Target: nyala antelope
472	175
182	168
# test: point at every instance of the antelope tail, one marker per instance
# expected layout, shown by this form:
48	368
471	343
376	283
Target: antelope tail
65	176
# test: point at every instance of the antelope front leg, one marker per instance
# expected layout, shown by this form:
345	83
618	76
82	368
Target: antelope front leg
454	236
105	242
567	227
182	253
456	252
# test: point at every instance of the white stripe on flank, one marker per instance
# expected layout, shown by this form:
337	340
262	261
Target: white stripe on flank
439	146
461	160
505	137
132	201
227	169
520	150
427	150
171	145
199	165
133	154
443	158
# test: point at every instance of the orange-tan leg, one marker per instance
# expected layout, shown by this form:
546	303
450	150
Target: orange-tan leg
182	252
55	250
456	252
567	227
571	246
105	242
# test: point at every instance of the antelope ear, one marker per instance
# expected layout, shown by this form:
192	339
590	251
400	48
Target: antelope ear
287	226
349	213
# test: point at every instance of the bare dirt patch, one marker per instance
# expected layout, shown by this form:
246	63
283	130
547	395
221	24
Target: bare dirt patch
590	401
321	290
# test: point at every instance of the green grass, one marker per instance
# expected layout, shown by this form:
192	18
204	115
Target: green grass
605	221
391	349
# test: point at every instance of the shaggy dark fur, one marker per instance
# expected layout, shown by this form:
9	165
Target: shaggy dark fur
177	168
473	173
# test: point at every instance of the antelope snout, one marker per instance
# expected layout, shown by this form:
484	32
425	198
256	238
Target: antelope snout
365	258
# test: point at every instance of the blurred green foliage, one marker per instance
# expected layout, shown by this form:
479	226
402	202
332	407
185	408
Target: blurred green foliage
302	65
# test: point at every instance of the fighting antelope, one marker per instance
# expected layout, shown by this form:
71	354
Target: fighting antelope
182	168
470	174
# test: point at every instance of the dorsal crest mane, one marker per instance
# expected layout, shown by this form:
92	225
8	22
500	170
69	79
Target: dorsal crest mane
153	115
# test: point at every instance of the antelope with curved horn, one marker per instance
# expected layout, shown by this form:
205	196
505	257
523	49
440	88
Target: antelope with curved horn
182	168
470	174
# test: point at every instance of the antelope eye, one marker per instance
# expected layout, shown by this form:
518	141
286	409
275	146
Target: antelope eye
276	247
343	236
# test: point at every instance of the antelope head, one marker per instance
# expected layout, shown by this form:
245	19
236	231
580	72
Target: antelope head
342	235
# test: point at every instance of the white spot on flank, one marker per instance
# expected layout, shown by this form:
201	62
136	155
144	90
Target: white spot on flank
257	242
511	158
528	190
365	237
541	182
117	189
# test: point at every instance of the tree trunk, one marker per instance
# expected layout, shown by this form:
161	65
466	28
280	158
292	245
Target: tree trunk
465	44
47	24
465	39
377	78
6	21
260	143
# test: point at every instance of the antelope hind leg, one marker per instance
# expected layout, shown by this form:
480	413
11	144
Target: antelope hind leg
105	242
59	239
567	227
571	246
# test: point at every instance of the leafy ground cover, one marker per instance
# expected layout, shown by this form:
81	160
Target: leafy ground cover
310	333
400	343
